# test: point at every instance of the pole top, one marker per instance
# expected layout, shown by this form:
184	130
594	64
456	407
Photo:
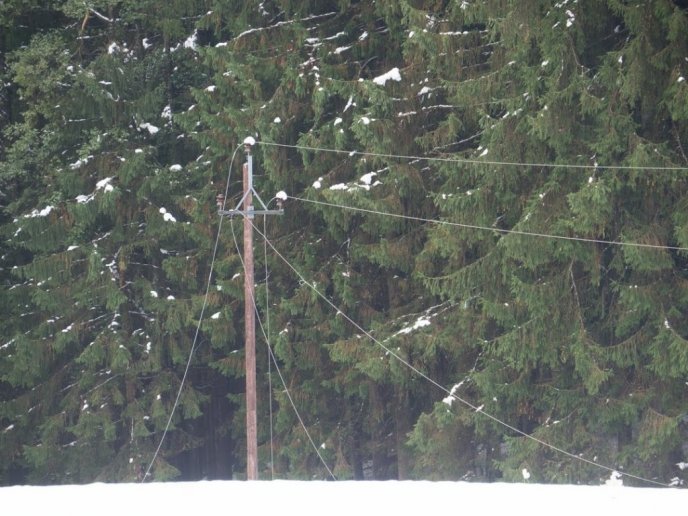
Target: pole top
250	141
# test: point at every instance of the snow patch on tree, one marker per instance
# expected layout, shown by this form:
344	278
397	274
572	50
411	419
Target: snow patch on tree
192	41
80	162
149	127
368	178
570	18
104	184
40	213
392	75
421	322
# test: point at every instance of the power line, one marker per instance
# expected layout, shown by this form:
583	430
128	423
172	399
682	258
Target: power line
274	360
198	328
492	229
447	391
467	161
293	405
267	321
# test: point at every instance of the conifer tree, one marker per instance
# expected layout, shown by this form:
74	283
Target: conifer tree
571	339
336	87
108	249
123	120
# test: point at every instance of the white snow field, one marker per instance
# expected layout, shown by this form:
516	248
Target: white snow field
340	498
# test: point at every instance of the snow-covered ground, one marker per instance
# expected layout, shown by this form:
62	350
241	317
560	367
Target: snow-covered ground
339	498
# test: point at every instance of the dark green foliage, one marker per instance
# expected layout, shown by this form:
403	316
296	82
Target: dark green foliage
108	266
557	318
119	122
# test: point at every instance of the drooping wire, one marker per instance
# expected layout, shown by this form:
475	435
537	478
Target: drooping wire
467	161
274	359
293	406
451	393
198	326
267	333
492	229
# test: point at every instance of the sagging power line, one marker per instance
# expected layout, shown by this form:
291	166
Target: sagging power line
450	392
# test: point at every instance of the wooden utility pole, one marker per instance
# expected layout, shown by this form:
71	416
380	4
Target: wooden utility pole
249	306
250	321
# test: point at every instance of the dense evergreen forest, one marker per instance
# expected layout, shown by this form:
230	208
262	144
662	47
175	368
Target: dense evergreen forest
495	192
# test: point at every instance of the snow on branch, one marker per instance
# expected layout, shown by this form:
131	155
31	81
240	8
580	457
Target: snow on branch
392	75
287	22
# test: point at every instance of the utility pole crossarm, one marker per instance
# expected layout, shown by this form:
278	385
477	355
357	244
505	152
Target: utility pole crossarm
249	213
250	193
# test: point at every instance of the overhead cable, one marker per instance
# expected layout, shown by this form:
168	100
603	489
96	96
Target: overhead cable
468	161
274	360
198	327
450	393
492	229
